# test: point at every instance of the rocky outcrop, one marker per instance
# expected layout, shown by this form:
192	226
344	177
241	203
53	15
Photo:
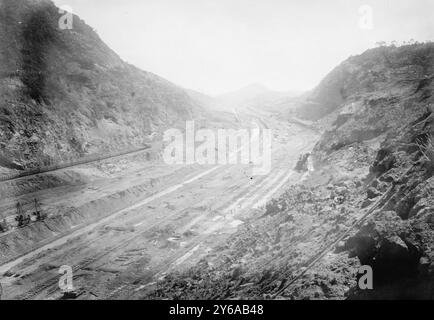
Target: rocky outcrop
383	98
376	78
398	240
371	96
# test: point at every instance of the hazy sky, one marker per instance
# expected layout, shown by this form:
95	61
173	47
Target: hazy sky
215	46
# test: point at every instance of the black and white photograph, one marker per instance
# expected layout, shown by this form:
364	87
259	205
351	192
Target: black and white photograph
239	151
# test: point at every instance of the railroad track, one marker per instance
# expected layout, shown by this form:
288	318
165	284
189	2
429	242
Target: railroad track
55	167
162	267
379	204
53	281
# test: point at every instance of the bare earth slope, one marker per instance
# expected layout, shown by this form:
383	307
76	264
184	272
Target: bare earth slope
65	94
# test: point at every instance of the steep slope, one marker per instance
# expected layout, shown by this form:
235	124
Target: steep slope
380	105
379	147
373	94
385	72
65	94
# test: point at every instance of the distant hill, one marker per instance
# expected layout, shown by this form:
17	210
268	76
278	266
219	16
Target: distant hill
254	96
246	93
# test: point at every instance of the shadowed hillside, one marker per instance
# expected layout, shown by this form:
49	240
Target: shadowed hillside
65	94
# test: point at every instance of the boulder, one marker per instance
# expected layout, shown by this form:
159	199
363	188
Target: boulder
384	244
372	193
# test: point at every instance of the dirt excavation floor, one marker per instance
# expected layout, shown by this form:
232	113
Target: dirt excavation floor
367	204
125	224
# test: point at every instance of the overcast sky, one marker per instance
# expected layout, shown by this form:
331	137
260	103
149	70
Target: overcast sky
215	46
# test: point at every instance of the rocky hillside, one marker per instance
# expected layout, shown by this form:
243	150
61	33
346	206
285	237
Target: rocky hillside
380	106
376	75
368	202
65	94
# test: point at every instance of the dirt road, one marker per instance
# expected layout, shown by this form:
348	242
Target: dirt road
172	224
